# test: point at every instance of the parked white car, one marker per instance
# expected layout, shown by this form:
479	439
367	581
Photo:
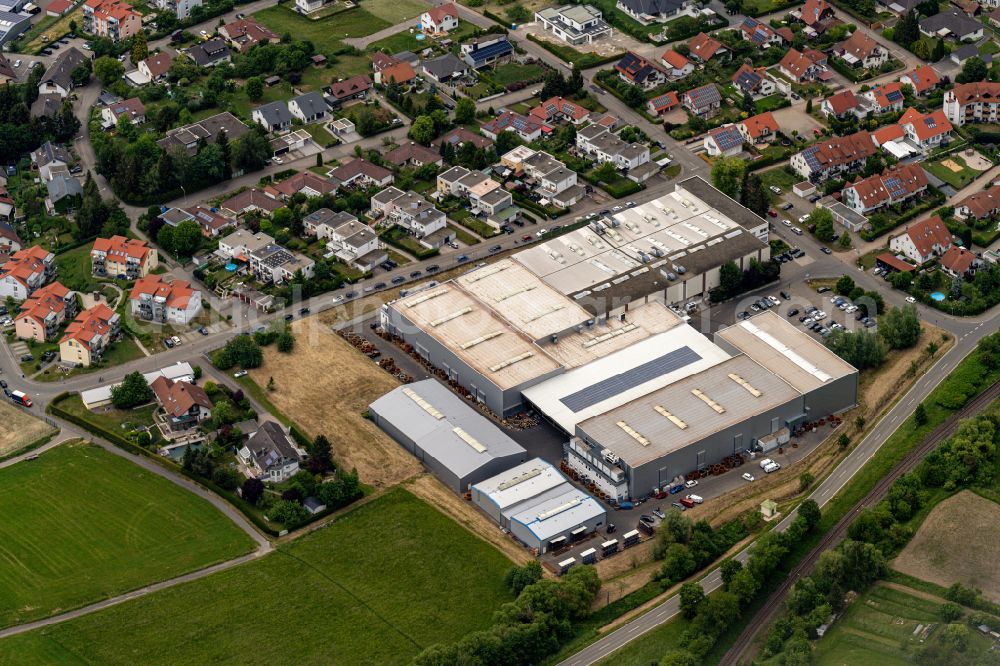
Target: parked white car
240	373
911	299
747	476
690	483
765	462
695	498
819	316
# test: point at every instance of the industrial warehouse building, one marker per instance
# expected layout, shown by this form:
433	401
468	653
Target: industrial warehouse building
454	441
538	506
580	329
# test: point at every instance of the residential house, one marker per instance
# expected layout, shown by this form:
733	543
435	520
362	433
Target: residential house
47	105
44	312
7	211
185	405
888	134
486	196
356	87
554	180
112	19
361	173
762	35
89	335
754	81
460	136
814	13
487	51
663	103
952	24
959	262
58	78
574	24
725	141
273	263
604	146
209	129
61	186
557	109
526	127
704	101
704	47
241	243
841	105
994	18
154	299
132	109
309	108
211	222
861	51
412	154
923	80
445	68
638	71
251	201
210	53
309	6
347	239
25	272
762	128
926	131
801	67
58	7
886	98
244	33
652	11
400	72
977	102
124	258
923	241
979	205
306	182
270	454
50	158
273	116
893	186
439	20
182	8
677	65
412	212
10	242
156	66
833	156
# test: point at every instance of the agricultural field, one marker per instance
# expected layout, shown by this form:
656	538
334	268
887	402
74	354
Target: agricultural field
371	588
966	519
880	628
326	33
81	524
327	384
19	429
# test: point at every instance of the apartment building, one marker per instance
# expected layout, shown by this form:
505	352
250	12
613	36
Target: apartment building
892	186
347	239
605	146
486	196
113	19
88	336
180	7
25	272
124	258
273	263
154	299
977	102
833	156
44	312
413	213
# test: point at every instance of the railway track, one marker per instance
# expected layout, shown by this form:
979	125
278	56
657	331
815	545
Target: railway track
767	613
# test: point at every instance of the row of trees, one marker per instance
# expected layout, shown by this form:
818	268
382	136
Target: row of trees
898	329
731	177
712	615
529	629
686	547
733	281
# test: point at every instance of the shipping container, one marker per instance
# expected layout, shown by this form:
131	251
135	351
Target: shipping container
589	556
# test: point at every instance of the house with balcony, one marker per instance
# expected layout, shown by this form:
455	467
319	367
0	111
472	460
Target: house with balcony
122	258
486	196
245	33
526	127
553	179
25	272
604	146
842	105
893	186
112	19
923	241
704	47
762	128
185	405
725	141
273	116
977	102
270	454
574	24
439	20
44	312
349	240
926	131
154	299
273	263
764	36
413	213
833	156
641	72
88	337
803	66
860	51
180	7
887	98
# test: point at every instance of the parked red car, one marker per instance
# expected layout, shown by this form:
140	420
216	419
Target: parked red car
772	213
688	503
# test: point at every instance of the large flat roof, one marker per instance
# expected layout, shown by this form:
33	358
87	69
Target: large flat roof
558	513
520	483
445	426
624	375
777	345
688	410
472	332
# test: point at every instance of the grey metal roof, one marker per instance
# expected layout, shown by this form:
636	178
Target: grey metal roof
445	66
312	104
275	113
437	436
742	215
61	187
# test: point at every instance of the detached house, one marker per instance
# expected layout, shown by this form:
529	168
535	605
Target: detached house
132	109
677	65
269	454
356	87
309	108
926	131
44	311
487	51
704	47
814	13
704	101
923	241
952	24
651	11
843	104
725	141
247	32
959	262
210	53
801	67
558	109
861	51
155	67
892	186
185	405
638	71
154	299
980	205
525	127
924	80
663	103
445	68
58	78
273	116
754	81
361	173
412	154
273	263
886	98
89	335
439	20
761	128
763	35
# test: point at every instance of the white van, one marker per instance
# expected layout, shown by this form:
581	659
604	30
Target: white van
696	499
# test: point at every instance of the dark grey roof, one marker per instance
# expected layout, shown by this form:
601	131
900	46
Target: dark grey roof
271	447
46	105
63	186
209	52
275	113
408	56
654	7
208	129
312	104
48	153
963	53
958	23
741	215
60	72
445	66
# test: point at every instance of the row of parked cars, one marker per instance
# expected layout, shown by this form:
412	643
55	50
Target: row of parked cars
788	255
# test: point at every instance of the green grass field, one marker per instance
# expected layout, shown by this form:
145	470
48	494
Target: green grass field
81	525
375	587
957	179
394	11
326	34
511	72
74	269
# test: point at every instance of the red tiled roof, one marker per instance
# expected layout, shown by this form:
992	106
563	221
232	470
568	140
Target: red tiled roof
761	125
843	102
888	133
703	46
891	185
890	260
158	64
859	45
119	247
176	294
675	59
556	106
927	126
177	398
91	323
814	11
303	180
44	301
351	86
401	72
928	233
957	259
24	264
983	204
923	78
438	14
979	91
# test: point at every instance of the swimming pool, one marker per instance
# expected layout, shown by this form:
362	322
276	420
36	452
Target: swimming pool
937	296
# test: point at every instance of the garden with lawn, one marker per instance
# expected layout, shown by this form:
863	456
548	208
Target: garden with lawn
326	34
81	525
370	588
953	170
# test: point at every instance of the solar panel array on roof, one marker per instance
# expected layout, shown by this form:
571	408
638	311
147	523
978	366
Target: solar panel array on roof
895	187
894	95
630	379
492	50
727	137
